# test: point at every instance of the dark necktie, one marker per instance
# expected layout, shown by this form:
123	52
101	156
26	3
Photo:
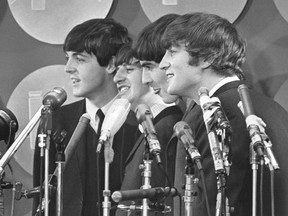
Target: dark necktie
101	116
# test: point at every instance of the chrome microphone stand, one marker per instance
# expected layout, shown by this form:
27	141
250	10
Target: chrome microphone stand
146	167
60	160
190	181
108	155
44	136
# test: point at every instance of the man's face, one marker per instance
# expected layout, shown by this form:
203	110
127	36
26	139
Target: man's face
128	79
86	74
183	79
157	80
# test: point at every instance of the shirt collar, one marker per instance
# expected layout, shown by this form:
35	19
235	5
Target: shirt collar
159	107
91	108
221	83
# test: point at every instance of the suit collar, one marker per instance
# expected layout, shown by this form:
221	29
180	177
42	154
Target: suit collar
227	86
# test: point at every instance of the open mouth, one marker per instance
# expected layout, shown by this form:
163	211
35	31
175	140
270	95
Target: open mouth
169	76
75	81
123	89
156	91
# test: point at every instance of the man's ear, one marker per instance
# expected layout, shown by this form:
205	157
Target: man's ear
205	64
111	66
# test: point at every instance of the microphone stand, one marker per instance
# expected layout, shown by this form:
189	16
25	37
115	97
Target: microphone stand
60	160
108	155
254	161
146	167
190	181
44	145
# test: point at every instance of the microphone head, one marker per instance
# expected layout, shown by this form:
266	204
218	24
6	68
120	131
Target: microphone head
180	127
203	91
54	98
242	87
116	196
8	126
141	111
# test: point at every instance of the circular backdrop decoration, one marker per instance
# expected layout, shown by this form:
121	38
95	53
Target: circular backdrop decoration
51	20
282	6
229	9
26	100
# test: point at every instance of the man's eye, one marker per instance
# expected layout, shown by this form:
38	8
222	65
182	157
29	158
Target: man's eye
171	51
129	70
148	68
79	59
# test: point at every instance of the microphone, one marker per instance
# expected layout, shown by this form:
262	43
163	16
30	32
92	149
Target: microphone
205	103
144	117
255	126
184	134
151	193
114	119
54	98
76	136
8	126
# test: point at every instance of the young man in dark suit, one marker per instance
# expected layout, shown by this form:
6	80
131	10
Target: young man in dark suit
90	49
130	85
205	50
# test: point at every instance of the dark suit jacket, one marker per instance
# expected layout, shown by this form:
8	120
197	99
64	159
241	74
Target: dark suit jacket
164	123
239	185
75	192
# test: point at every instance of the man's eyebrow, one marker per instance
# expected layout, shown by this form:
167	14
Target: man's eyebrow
145	64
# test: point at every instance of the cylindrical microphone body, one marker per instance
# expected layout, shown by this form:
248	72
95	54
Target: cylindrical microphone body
184	134
114	119
76	136
251	120
205	102
145	118
248	108
151	193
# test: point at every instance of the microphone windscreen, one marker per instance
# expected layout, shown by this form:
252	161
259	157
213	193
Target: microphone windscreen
116	116
8	125
55	98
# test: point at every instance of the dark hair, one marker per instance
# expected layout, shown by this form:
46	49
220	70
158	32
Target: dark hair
125	55
211	38
102	37
149	43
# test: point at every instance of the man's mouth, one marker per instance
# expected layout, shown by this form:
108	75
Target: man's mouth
169	75
157	90
75	81
123	89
